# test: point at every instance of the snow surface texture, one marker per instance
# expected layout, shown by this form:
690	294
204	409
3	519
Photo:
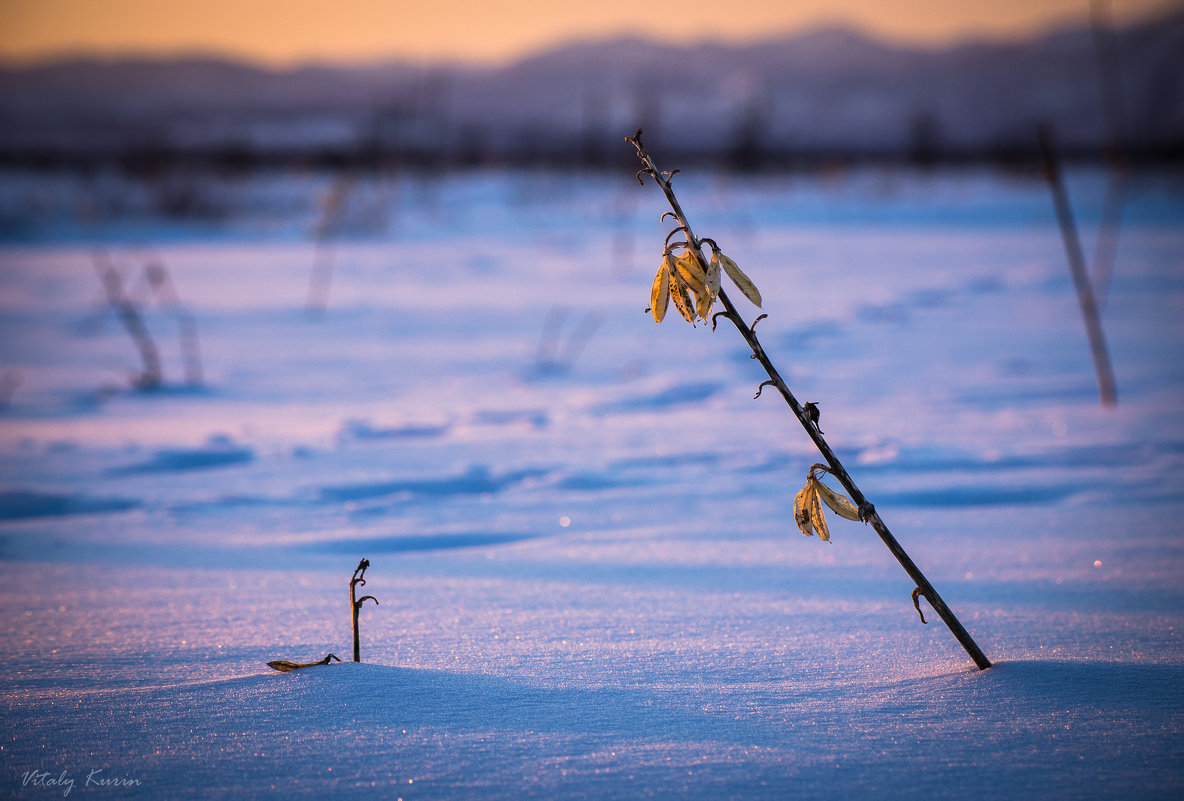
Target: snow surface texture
579	523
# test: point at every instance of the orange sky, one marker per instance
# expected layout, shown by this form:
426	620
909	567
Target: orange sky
283	32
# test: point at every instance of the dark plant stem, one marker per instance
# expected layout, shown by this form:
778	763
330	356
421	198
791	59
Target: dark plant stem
1085	295
867	511
355	604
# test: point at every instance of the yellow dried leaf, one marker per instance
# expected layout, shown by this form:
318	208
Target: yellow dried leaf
713	275
690	271
682	301
741	280
814	506
801	511
703	303
660	293
838	503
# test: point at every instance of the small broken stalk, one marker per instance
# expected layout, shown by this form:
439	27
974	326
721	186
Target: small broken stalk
670	279
284	666
355	603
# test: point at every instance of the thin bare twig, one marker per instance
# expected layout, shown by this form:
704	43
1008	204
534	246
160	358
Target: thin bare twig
161	286
556	356
867	512
129	315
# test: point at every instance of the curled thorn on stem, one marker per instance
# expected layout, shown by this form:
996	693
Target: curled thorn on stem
669	214
764	384
360	572
866	510
752	328
679	229
917	603
714	316
812	412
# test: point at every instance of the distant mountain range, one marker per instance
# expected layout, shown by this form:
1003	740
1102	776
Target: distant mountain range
821	93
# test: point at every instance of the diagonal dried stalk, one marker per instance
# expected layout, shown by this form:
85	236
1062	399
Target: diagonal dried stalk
806	416
1085	296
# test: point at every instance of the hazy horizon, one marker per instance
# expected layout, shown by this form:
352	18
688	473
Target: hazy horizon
361	32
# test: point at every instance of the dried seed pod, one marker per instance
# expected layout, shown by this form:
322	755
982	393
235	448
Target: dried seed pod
815	509
801	511
690	271
703	303
682	301
741	280
837	502
713	274
660	293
